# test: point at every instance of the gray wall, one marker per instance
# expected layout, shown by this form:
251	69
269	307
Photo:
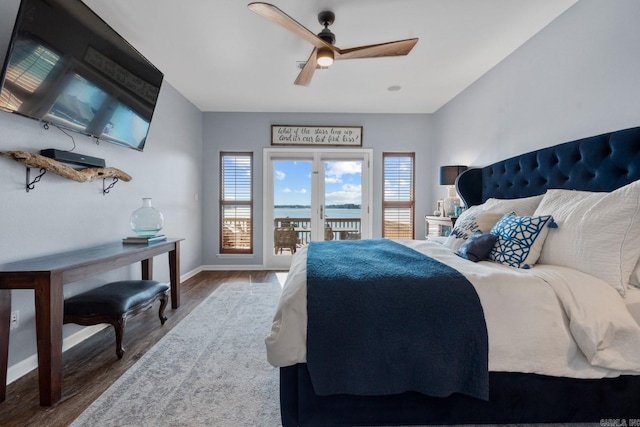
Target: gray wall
60	214
252	132
578	77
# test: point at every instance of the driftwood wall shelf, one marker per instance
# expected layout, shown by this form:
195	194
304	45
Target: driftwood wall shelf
45	164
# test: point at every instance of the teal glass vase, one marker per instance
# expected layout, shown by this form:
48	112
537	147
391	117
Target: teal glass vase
147	220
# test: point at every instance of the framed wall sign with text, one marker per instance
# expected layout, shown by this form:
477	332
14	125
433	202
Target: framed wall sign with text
316	135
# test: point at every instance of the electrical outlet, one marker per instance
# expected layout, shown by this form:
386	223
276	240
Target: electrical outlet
15	319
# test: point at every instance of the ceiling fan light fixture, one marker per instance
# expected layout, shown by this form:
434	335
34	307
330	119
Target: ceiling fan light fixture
324	50
324	57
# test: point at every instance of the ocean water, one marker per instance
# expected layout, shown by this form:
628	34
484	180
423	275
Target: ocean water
306	213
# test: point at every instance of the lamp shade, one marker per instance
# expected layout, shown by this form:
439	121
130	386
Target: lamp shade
448	174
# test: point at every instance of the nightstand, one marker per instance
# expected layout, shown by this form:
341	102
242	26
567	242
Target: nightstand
438	225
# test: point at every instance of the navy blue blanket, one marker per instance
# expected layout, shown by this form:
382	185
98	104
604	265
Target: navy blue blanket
385	319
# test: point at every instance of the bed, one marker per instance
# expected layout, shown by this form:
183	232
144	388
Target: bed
563	322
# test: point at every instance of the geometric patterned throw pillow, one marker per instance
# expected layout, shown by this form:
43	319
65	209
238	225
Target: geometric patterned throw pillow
520	239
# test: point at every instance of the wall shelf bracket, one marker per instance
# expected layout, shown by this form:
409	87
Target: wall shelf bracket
105	189
32	184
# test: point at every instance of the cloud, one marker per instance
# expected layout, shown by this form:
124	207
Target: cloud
280	175
352	188
349	193
336	169
302	191
286	190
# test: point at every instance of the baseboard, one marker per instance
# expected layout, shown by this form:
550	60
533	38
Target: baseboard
30	363
190	274
232	267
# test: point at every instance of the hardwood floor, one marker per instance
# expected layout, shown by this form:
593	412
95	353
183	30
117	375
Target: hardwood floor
92	366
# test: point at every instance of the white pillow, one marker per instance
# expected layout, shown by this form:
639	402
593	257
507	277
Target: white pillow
525	206
471	221
598	233
520	239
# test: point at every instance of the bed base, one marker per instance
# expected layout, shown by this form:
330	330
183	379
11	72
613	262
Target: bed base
514	398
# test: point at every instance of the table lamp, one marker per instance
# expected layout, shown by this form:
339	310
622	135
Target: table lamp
448	175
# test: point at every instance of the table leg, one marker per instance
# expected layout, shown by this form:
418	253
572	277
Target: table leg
49	303
147	269
5	323
174	276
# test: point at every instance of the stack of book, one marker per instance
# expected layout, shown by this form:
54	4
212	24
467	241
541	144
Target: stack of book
138	240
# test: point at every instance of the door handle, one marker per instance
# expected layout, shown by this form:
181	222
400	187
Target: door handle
321	217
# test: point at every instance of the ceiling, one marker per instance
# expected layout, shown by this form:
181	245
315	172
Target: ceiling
223	57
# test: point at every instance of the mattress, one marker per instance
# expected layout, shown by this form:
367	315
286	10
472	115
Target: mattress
546	320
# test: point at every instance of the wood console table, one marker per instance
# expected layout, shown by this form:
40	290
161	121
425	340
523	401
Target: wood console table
46	276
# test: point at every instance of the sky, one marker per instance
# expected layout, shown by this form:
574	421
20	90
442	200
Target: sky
292	182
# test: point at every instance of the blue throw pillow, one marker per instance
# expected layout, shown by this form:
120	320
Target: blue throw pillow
477	246
520	239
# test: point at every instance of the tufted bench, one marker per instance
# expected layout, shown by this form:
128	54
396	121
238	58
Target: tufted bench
113	303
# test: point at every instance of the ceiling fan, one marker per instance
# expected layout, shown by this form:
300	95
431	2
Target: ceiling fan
324	52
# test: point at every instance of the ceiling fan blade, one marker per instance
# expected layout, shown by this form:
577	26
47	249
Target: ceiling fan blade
304	78
397	48
272	13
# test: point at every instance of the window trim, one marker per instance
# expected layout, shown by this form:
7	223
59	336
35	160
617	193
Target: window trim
411	204
222	203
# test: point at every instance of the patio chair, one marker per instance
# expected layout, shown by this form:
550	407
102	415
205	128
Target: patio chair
328	233
285	238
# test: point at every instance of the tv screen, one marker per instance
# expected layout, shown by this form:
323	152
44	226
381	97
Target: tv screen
65	66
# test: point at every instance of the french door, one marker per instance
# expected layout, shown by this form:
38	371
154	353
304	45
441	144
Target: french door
312	194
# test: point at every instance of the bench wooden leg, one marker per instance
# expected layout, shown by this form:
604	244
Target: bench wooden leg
163	303
119	325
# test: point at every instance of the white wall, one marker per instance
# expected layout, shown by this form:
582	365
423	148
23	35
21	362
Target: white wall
578	77
61	215
252	132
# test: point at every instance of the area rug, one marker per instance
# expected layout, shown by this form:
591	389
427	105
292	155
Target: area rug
210	370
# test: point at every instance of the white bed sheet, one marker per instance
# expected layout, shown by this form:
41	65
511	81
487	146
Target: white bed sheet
542	320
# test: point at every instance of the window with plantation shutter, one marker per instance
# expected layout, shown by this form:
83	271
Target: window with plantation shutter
236	203
398	196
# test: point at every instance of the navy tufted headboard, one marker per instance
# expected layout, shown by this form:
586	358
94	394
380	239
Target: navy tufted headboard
599	163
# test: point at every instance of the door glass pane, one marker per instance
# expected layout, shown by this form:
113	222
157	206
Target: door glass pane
292	205
342	200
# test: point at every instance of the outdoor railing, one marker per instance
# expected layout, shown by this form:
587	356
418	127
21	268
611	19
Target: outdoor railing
340	228
236	233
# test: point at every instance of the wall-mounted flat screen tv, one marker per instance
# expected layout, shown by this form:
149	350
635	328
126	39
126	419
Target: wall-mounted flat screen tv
66	67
